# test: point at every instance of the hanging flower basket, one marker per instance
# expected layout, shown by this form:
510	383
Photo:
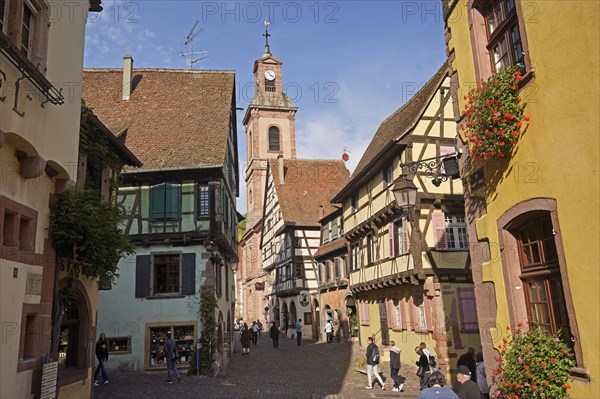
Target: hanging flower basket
494	113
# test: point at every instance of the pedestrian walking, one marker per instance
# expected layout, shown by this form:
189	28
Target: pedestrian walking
274	334
468	359
329	331
468	388
299	332
246	338
437	390
172	356
260	327
481	377
424	369
102	356
254	330
373	363
395	368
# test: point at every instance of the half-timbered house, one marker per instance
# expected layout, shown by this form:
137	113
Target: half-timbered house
335	302
296	191
410	271
180	208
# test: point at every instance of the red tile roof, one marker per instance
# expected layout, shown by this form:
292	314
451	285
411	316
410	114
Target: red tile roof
308	185
330	247
175	118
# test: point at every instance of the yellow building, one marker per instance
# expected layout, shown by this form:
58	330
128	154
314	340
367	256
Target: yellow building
40	93
409	271
533	215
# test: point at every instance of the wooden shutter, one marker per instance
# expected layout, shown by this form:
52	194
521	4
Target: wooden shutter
142	276
405	235
157	201
428	313
468	309
391	239
403	313
411	313
173	201
439	229
188	274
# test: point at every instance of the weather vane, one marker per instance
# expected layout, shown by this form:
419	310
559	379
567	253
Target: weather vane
192	57
266	35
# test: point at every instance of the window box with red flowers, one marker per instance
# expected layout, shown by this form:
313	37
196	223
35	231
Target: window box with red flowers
494	115
532	364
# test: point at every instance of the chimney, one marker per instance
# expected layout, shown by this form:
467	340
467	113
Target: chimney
127	72
321	212
281	170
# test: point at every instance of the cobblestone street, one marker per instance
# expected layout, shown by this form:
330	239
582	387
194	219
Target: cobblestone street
310	371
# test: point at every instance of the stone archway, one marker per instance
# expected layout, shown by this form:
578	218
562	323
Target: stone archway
284	318
316	321
220	333
293	316
351	313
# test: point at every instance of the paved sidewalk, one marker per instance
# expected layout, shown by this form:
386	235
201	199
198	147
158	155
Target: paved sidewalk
310	371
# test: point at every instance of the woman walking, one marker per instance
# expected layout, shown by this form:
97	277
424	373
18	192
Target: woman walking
102	356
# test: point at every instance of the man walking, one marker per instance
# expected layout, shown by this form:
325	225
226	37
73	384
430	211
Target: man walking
329	331
468	388
299	331
373	363
395	367
274	334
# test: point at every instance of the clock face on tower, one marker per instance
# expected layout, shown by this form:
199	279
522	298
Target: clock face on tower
269	74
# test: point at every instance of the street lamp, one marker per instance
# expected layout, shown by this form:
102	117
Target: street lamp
405	192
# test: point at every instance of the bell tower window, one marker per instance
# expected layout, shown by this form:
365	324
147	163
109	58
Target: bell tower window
274	138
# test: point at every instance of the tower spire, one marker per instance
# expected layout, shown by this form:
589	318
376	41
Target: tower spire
266	35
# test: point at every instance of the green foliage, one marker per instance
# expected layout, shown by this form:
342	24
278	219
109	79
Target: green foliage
495	114
85	234
208	304
241	228
99	153
533	364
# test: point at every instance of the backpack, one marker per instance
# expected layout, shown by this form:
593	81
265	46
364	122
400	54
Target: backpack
376	355
432	362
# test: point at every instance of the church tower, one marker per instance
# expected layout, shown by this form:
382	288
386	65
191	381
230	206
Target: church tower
270	129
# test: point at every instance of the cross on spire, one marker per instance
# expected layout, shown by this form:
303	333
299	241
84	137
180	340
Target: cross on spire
266	35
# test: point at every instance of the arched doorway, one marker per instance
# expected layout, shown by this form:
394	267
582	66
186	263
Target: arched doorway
76	335
292	317
220	338
352	318
316	321
284	318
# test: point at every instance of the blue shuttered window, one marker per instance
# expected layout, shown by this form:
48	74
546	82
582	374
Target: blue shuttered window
165	201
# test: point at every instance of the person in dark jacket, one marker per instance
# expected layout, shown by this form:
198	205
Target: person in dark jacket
395	368
424	370
468	388
468	359
274	334
373	363
246	338
171	351
102	356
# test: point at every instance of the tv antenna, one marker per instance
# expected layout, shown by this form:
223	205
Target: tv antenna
193	57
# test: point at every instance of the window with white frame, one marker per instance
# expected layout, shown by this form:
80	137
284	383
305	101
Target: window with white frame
398	312
399	237
355	253
3	10
456	232
27	24
364	313
388	175
420	313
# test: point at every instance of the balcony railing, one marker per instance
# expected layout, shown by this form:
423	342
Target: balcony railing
291	286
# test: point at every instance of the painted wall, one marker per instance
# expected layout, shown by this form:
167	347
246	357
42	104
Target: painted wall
556	158
116	320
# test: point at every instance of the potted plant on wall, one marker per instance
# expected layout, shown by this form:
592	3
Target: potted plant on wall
494	115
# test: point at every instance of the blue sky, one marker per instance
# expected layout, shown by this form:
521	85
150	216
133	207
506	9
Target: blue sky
347	64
